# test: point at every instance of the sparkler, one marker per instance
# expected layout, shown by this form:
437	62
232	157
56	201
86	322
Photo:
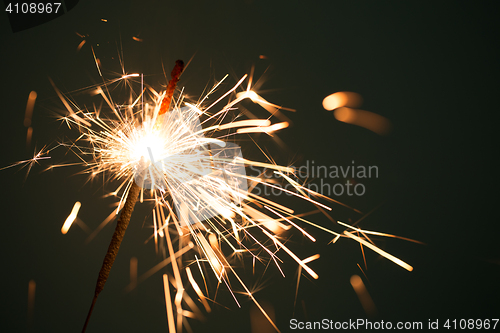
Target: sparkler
128	208
182	158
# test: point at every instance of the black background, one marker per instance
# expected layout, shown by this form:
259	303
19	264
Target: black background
432	69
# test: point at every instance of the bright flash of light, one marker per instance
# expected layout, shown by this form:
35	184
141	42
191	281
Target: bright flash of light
205	215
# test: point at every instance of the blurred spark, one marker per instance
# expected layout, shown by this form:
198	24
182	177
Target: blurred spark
29	108
71	218
80	45
29	135
369	120
31	302
133	271
342	98
363	295
27	117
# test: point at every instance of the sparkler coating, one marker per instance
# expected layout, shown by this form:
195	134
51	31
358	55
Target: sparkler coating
114	245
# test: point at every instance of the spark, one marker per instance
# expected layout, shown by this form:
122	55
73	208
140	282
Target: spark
345	104
369	120
363	295
29	108
341	99
380	251
37	156
376	233
71	218
130	75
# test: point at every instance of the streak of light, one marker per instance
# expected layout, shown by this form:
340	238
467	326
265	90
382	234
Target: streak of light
80	45
342	98
291	254
223	96
31	161
299	274
333	241
97	61
311	258
29	135
363	295
272	203
159	266
380	251
68	107
298	186
137	39
155	228
369	120
376	233
110	217
71	218
362	271
301	188
197	289
168	304
258	322
295	225
290	192
82	225
249	293
256	98
364	257
267	129
266	165
130	75
29	108
318	227
248	122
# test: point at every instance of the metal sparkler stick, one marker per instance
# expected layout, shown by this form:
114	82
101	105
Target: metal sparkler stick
128	208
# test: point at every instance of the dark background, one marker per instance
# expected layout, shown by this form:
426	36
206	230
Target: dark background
432	69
